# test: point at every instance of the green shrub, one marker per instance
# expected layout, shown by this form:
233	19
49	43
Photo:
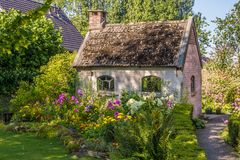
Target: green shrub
147	135
198	123
184	145
56	77
234	131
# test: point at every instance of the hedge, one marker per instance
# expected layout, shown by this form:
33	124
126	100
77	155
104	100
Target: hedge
184	145
234	132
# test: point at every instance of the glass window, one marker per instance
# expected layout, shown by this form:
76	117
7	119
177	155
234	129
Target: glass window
105	83
193	84
151	84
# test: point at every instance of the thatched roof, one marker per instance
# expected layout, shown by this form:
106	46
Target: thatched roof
71	37
138	44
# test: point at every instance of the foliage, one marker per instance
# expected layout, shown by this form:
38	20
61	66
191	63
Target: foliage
219	87
126	11
202	33
56	77
234	132
26	44
199	123
151	84
227	37
120	11
184	143
4	102
147	135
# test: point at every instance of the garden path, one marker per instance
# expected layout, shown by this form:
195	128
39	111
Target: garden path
209	139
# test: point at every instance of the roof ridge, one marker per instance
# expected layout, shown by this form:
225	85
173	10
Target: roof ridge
35	2
148	22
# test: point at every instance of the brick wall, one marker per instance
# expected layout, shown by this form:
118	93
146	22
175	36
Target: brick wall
192	67
96	18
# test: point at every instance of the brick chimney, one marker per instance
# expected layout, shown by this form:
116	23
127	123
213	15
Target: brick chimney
97	19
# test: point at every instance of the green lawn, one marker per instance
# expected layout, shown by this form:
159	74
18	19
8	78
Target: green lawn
29	147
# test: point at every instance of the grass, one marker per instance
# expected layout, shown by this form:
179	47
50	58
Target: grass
26	146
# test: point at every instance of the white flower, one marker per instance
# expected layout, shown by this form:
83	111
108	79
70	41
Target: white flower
159	102
135	106
131	101
171	97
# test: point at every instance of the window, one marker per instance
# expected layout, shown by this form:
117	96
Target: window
105	83
193	85
151	84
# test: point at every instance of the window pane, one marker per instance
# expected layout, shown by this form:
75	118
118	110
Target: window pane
105	83
192	84
151	84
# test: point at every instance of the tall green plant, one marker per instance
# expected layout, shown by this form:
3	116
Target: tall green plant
147	135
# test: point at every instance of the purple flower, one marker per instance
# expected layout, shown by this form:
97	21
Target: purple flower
117	102
87	108
116	114
110	105
61	98
79	92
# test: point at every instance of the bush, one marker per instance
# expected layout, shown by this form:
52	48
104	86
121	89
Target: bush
147	135
198	123
234	132
56	77
184	145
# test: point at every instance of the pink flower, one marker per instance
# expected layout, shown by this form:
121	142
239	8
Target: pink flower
72	98
75	110
76	101
225	122
169	104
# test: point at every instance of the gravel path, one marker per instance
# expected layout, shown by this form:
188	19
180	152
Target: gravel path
210	140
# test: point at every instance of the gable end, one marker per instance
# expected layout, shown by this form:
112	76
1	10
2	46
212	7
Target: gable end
190	37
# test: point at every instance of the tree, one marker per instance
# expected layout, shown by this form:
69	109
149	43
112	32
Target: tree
227	37
125	11
27	41
203	34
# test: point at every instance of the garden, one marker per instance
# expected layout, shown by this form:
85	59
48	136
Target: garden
89	124
47	114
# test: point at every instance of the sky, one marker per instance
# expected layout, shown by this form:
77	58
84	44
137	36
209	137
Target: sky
212	9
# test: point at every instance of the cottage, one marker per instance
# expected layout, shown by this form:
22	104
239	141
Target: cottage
71	37
141	56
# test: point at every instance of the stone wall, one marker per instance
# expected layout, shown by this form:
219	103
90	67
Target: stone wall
131	79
